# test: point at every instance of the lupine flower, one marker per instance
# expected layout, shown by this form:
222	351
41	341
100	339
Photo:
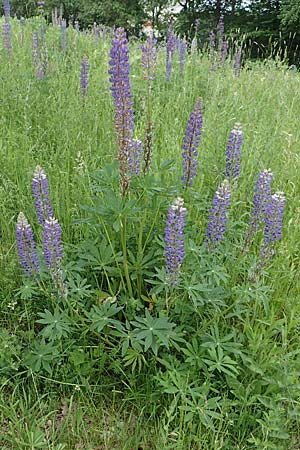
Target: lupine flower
26	246
218	215
35	48
122	97
52	244
194	45
170	49
22	24
174	239
197	25
6	7
272	231
135	156
212	47
262	196
96	31
273	219
220	28
190	144
6	38
84	76
63	27
182	54
233	152
224	52
149	58
40	191
77	26
237	62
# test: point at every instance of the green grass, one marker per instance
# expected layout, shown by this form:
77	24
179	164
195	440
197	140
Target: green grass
100	403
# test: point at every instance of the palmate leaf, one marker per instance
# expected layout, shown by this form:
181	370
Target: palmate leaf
153	332
57	324
42	356
101	317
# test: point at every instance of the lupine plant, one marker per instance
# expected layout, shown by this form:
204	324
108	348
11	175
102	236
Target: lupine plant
170	50
233	153
122	98
237	62
174	239
182	54
190	144
84	77
149	59
6	36
218	216
262	197
26	246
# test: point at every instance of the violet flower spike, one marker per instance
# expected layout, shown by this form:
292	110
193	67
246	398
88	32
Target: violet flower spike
35	48
190	144
149	58
237	62
6	7
63	27
218	216
262	196
6	38
84	76
174	240
135	156
273	227
40	191
52	244
26	246
220	28
122	98
170	49
273	219
182	54
233	152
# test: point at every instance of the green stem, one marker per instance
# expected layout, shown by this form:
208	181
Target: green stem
124	251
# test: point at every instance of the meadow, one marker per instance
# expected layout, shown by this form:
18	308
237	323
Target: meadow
113	355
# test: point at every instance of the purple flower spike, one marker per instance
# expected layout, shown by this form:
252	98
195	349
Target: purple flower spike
6	38
190	144
6	7
237	62
262	196
273	219
218	215
224	52
273	226
52	244
26	246
220	29
122	97
170	49
135	156
84	76
182	54
63	28
35	48
149	58
212	43
233	152
174	239
40	190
